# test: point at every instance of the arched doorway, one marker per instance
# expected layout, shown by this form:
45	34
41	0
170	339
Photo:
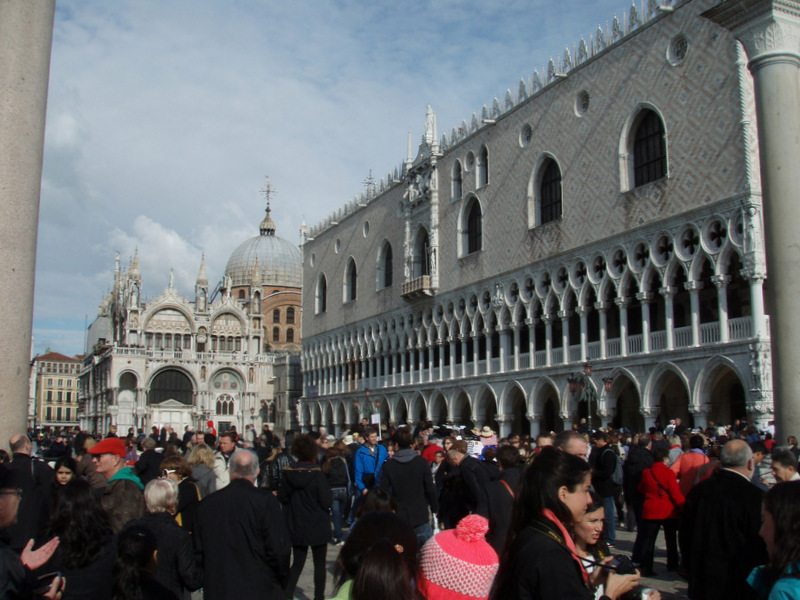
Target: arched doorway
126	401
438	410
462	413
520	425
625	398
726	399
486	410
171	397
670	400
551	414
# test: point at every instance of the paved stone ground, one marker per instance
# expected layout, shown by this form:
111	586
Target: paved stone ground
671	585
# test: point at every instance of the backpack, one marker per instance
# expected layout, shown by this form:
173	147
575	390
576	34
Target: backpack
616	476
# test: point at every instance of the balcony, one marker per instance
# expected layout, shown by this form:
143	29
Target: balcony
417	288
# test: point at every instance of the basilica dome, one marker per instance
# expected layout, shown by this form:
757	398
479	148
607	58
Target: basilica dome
279	261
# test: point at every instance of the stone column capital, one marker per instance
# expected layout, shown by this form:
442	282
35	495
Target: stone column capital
768	29
644	297
622	302
693	286
721	281
667	291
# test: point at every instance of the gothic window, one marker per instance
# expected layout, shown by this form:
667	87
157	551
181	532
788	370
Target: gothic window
385	271
276	334
290	335
474	228
482	173
350	281
276	316
422	254
550	192
322	294
457	180
649	150
290	315
241	294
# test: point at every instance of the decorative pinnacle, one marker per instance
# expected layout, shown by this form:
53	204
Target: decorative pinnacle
268	191
267	225
369	184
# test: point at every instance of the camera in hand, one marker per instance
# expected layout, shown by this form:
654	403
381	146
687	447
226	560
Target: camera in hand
622	564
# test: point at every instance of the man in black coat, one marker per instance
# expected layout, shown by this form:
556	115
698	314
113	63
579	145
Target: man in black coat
475	477
241	538
407	476
148	467
501	496
604	461
718	535
639	459
35	479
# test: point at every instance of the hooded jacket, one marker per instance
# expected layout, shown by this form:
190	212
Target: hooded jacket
307	498
408	477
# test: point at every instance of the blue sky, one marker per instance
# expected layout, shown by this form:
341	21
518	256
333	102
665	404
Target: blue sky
164	116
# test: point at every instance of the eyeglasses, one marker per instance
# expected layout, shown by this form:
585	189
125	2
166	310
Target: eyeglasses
17	493
167	472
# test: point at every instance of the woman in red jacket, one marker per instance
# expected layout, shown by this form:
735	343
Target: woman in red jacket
663	503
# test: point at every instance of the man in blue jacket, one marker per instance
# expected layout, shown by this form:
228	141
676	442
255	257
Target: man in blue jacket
369	461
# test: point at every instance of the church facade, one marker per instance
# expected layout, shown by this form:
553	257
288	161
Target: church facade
589	246
217	357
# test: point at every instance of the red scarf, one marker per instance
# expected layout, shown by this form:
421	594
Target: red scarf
568	541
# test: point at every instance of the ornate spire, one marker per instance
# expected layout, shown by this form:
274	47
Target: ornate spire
267	225
133	272
202	278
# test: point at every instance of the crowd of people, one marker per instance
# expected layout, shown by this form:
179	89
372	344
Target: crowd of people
426	512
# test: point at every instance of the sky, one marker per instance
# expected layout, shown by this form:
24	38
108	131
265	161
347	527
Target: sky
165	116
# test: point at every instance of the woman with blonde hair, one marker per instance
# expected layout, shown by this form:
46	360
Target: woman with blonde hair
201	460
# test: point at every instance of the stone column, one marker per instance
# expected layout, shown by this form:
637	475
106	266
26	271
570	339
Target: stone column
504	335
694	288
564	316
548	340
622	303
769	30
475	354
516	349
758	320
602	309
722	281
669	319
582	313
644	299
26	35
505	425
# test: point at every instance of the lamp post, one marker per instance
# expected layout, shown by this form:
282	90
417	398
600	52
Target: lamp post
588	394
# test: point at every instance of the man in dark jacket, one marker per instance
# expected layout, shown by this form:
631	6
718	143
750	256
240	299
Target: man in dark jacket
604	461
501	496
407	476
639	459
35	479
718	535
475	477
148	467
240	537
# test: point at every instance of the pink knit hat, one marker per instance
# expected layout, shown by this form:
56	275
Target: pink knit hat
458	563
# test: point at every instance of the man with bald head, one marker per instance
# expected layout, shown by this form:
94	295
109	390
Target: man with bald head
35	479
718	535
240	536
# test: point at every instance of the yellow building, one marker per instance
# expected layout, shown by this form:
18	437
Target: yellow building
56	390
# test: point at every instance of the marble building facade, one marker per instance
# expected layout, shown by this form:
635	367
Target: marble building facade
229	355
608	211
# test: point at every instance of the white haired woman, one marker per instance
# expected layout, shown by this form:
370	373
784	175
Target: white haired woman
176	567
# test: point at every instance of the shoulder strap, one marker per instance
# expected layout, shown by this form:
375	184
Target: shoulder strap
508	487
